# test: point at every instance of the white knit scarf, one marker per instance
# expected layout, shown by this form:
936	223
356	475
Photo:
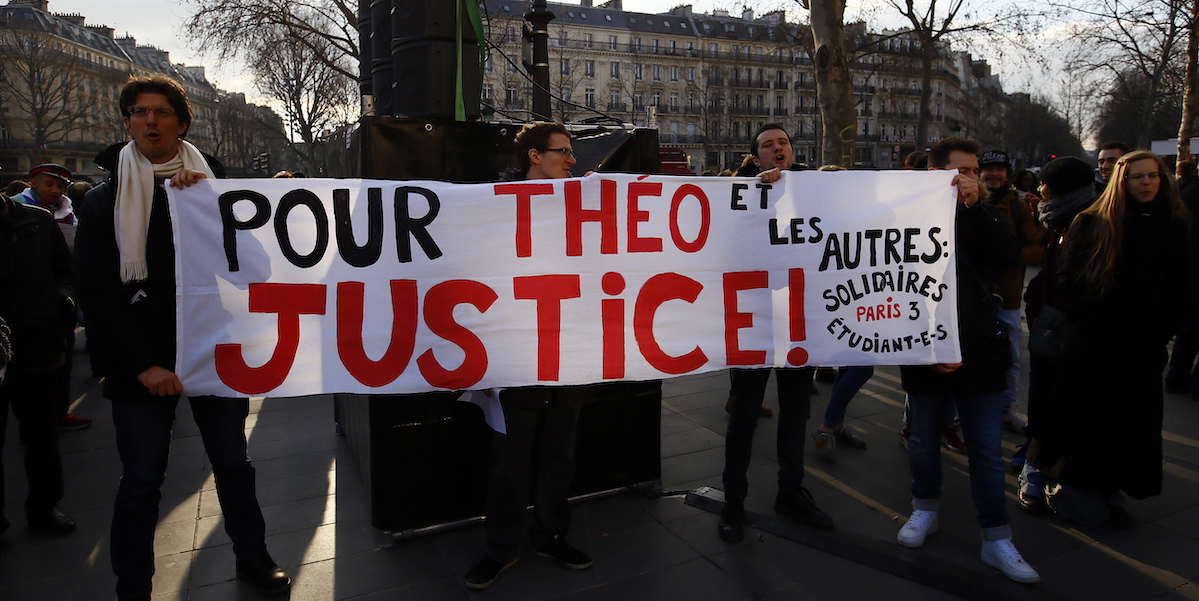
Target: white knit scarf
135	198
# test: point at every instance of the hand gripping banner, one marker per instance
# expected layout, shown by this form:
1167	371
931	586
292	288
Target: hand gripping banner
293	287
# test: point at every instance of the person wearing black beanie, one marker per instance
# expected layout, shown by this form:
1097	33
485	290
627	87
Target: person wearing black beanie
1122	287
1066	187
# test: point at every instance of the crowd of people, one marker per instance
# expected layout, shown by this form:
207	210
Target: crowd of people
1111	241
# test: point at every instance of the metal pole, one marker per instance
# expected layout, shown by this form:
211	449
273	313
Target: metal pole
539	18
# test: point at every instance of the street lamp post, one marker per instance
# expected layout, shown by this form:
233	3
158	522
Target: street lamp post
539	18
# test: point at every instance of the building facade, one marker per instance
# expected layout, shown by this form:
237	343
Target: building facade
708	81
59	84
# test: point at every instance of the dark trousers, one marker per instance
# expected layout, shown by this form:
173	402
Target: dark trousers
144	442
547	434
748	390
31	396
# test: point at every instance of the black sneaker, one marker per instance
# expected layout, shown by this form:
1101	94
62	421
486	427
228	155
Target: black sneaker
732	520
1119	516
52	521
1035	505
264	574
559	550
800	506
846	439
485	572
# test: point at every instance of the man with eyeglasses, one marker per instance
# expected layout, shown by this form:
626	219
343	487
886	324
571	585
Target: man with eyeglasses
1109	152
125	262
540	420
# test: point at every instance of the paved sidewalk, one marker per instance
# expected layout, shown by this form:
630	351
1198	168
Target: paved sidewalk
645	549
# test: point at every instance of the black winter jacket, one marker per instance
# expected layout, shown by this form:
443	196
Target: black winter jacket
132	324
986	242
36	288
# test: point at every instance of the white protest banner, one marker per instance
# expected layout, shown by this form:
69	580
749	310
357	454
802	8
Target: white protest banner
293	287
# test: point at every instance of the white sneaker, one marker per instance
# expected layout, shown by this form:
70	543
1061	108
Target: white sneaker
1003	556
921	524
1015	421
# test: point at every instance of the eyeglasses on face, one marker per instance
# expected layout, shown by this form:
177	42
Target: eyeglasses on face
1152	176
161	112
566	152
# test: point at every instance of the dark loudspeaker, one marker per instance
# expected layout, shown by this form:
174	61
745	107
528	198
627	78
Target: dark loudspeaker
424	79
428	20
364	48
382	83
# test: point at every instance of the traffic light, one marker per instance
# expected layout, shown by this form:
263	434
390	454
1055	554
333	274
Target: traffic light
262	162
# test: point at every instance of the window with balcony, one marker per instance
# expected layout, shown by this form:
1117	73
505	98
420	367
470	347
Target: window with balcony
565	66
674	73
674	103
614	70
589	68
690	74
612	43
657	72
639	72
589	97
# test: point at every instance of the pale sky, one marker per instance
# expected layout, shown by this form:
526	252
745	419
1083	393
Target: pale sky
156	22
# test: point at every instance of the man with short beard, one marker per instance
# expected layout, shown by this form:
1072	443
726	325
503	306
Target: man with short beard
995	175
985	242
1109	153
771	155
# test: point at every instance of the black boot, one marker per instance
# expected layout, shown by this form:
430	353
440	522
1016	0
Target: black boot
264	574
732	520
800	506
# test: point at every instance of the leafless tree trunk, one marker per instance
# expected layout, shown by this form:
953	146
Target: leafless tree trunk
43	88
228	28
1191	96
316	97
834	84
1132	39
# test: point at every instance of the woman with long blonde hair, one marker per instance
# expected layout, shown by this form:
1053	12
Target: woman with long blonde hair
1124	289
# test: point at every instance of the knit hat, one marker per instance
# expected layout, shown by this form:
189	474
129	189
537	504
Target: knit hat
1064	175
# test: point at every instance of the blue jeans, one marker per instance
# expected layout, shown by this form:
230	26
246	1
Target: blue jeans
143	432
981	415
748	390
1011	319
849	381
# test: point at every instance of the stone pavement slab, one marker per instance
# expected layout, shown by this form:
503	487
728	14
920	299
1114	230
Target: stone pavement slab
646	548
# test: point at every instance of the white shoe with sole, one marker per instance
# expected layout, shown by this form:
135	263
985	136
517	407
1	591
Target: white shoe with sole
1003	556
921	524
